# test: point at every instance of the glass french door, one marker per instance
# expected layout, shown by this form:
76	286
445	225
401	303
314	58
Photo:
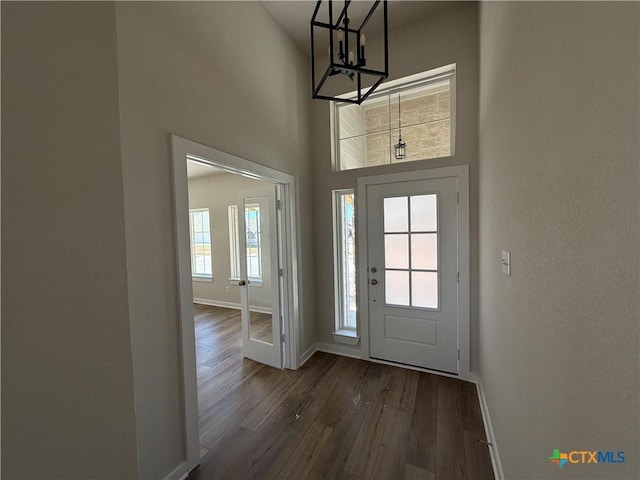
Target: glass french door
259	275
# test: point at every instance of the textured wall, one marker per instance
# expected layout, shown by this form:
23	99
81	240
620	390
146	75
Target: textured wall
559	188
224	75
67	379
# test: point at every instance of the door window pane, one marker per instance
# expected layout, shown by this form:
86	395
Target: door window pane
396	251
396	214
424	213
254	240
410	254
396	287
424	251
424	289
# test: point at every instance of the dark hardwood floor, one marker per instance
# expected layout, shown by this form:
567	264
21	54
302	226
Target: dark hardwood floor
334	418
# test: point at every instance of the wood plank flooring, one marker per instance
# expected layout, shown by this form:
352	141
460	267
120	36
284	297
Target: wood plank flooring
334	418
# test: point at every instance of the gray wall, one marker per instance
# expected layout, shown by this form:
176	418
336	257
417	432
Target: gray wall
559	184
450	36
67	379
217	192
224	75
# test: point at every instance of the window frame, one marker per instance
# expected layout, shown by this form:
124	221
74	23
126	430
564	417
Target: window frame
199	277
343	333
393	87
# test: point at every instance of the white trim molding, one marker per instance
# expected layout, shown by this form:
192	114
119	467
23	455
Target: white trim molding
183	150
488	428
348	337
179	473
307	354
338	350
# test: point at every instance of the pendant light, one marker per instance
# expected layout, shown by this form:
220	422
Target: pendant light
400	147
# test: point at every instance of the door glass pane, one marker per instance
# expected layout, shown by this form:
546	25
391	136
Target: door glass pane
258	274
424	289
424	251
396	287
424	213
396	214
396	251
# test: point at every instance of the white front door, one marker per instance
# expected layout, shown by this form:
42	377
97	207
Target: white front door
412	230
259	275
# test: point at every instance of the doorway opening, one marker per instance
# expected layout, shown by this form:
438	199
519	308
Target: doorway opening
237	259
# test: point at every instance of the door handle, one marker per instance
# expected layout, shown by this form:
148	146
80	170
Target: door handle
242	283
373	282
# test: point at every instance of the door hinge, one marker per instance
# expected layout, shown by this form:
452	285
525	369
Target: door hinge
458	197
458	277
458	354
278	204
282	339
281	272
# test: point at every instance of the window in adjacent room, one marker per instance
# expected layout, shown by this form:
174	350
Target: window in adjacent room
365	135
200	230
344	264
253	240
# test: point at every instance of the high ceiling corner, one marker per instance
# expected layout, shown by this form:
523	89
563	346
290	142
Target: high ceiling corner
294	16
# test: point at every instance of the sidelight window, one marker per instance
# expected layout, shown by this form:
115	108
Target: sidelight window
345	261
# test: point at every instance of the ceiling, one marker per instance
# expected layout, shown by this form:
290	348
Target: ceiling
198	170
294	16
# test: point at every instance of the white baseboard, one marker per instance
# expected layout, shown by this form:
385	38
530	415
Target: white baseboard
179	473
338	350
306	355
493	448
235	306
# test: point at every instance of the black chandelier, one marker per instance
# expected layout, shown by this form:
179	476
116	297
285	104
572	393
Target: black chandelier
348	60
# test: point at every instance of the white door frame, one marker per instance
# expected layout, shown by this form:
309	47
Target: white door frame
183	149
461	172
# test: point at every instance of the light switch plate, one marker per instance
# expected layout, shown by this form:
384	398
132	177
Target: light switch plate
506	262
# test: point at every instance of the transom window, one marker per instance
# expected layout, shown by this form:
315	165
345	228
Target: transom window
365	135
411	250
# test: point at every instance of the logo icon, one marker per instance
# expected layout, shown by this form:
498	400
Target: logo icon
586	456
559	458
